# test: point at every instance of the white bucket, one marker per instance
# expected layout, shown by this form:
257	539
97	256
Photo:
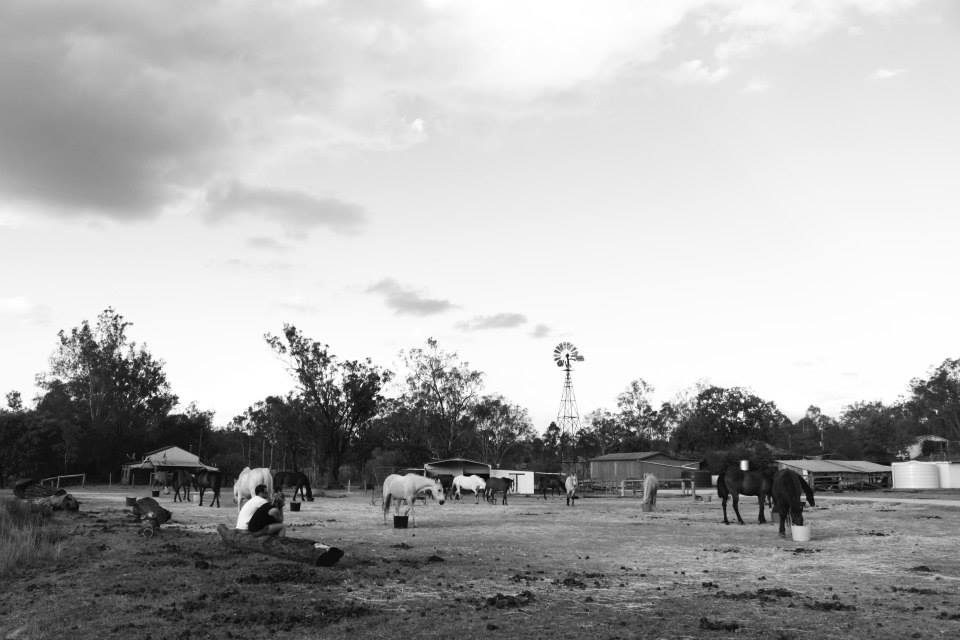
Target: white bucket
744	465
800	532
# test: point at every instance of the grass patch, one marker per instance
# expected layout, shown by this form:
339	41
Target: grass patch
27	537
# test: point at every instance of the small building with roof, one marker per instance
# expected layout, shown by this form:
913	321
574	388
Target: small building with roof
170	458
840	474
617	467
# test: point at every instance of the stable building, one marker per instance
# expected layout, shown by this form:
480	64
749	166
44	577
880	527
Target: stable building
614	468
164	459
840	474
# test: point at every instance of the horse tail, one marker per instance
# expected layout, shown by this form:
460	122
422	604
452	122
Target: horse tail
807	490
386	504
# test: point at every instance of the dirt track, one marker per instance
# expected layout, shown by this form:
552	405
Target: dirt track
531	569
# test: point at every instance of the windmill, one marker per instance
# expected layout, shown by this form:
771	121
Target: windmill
568	417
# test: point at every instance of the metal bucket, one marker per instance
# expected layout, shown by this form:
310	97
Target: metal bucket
400	522
294	506
155	494
744	465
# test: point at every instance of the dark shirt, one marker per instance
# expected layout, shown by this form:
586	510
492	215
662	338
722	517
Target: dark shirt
261	518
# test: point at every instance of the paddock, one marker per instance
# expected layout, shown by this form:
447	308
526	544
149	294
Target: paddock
536	569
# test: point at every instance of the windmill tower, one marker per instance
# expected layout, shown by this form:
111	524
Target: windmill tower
568	417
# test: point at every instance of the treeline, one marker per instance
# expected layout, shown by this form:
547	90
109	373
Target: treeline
105	400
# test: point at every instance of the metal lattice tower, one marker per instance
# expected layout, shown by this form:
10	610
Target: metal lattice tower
568	416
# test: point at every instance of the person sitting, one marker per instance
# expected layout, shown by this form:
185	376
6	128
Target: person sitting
260	516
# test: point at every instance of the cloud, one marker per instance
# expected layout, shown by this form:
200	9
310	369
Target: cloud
540	331
496	321
274	265
297	212
696	72
21	308
885	74
757	86
406	301
266	244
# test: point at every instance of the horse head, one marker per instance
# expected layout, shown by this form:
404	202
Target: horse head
437	489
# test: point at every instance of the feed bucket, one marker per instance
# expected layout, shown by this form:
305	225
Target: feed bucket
744	465
294	506
800	532
400	522
131	502
155	494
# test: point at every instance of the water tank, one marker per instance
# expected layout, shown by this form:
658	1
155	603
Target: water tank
943	468
915	475
954	476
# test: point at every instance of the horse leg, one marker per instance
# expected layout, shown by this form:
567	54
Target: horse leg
761	500
724	502
736	506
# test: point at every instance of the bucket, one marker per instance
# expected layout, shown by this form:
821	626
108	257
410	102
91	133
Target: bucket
744	465
400	522
131	502
155	494
800	532
294	506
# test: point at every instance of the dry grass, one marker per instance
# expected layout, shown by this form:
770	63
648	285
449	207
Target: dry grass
27	537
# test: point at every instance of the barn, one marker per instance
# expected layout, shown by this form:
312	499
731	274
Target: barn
455	467
840	474
165	459
614	468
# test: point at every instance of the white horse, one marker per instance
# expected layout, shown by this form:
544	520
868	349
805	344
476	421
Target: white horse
571	485
245	485
649	490
469	483
406	487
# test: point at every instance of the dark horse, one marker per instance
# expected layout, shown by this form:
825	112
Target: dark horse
498	484
553	483
732	482
181	479
206	479
787	485
296	480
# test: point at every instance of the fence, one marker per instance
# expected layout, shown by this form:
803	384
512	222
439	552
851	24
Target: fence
82	476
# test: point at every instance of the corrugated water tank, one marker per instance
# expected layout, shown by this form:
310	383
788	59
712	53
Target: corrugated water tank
915	475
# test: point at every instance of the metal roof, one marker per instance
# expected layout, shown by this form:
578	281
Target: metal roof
835	466
636	455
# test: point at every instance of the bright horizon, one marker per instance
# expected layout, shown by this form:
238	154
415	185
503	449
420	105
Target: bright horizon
759	194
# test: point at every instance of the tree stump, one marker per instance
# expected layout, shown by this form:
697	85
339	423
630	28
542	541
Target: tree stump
298	549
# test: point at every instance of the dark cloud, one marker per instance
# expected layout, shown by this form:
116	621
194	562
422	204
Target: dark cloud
297	212
496	321
406	301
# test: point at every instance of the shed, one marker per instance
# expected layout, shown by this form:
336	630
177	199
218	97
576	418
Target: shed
165	459
523	481
840	474
457	466
616	467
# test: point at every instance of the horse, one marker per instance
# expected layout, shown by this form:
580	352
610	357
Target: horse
649	490
246	484
406	487
787	485
181	479
733	481
473	483
570	485
552	482
207	479
296	480
498	484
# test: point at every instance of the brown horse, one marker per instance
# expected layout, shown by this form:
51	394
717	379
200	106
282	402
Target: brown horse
732	482
296	480
498	484
207	479
787	486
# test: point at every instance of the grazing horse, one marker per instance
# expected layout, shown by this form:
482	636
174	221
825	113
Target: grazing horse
552	482
570	484
246	484
473	483
732	482
787	485
207	479
498	484
649	490
181	479
406	487
295	480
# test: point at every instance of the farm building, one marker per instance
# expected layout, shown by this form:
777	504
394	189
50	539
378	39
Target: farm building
455	467
840	474
523	481
165	459
616	467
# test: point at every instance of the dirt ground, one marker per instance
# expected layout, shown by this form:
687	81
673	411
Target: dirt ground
531	569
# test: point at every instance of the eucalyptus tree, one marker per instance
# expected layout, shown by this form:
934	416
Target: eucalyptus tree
502	427
935	400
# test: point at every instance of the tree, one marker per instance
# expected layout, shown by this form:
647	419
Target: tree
121	386
883	430
501	427
724	417
638	415
935	400
342	397
442	391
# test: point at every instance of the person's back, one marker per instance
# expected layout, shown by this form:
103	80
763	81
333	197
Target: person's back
250	507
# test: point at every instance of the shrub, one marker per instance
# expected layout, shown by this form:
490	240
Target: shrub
27	537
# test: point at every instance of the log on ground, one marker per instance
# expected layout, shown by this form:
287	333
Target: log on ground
285	547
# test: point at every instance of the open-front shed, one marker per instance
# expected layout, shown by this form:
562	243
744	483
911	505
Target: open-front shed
615	468
165	459
840	474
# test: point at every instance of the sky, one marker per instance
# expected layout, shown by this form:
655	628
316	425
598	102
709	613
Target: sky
760	194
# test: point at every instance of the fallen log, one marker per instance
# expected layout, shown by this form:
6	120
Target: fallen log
298	549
